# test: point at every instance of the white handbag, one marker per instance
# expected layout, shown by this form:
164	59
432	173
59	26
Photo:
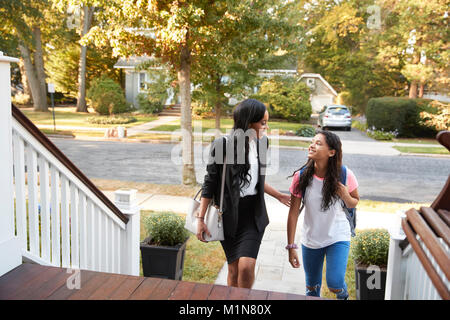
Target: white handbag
213	216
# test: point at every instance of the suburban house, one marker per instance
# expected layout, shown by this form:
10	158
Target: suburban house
62	238
136	82
322	93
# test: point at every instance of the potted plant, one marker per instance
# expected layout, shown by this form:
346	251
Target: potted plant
163	249
370	252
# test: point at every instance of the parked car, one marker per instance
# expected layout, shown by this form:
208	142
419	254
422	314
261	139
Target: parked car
335	116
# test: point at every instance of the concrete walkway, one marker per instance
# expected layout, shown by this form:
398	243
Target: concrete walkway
273	270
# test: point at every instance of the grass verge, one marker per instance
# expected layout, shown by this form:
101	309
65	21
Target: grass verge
425	150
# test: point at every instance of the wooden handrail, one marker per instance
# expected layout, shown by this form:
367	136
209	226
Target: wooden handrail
442	201
435	222
429	239
434	276
50	146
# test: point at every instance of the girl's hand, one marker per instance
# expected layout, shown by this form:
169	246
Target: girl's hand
285	199
293	258
343	192
201	230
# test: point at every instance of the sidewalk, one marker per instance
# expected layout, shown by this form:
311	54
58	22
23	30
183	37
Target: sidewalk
273	270
348	146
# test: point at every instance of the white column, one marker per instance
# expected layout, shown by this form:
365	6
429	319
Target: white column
10	253
126	201
395	277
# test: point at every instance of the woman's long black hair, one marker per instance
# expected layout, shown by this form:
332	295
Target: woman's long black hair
247	112
332	176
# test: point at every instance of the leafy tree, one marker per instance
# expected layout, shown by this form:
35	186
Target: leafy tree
287	98
178	32
29	30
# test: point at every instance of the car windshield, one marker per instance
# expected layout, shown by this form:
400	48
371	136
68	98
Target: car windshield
338	111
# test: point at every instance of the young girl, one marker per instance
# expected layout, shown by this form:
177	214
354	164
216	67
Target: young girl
326	231
244	211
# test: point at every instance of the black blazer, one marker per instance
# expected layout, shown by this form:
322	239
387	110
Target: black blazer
212	184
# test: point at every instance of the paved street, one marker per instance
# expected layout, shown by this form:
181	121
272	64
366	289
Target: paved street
384	178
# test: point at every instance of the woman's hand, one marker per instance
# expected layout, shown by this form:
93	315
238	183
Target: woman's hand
293	258
202	229
285	199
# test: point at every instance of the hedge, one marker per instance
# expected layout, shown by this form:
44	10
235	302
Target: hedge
401	114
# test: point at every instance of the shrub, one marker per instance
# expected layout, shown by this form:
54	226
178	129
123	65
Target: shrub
107	97
287	98
165	229
148	104
111	120
436	115
306	131
381	134
401	114
371	247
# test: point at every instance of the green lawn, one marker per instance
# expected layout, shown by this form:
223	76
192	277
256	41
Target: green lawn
64	117
427	150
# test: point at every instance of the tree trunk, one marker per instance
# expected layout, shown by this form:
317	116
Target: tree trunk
421	88
184	80
413	89
218	106
81	99
25	83
32	76
39	65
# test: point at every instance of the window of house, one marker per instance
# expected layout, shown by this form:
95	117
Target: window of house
142	81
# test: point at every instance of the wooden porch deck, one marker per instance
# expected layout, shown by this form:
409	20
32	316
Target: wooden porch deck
36	282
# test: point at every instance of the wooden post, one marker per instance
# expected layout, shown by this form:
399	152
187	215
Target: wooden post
126	201
10	252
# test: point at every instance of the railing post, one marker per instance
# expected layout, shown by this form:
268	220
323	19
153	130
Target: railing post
10	252
395	277
126	201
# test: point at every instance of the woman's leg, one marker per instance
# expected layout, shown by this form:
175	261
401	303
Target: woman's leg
337	256
232	279
313	266
246	272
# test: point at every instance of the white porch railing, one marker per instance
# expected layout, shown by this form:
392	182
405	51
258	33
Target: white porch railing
60	221
407	279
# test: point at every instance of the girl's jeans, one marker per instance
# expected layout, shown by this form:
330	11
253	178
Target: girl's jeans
336	257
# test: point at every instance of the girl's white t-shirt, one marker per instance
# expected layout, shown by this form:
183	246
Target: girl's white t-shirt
323	228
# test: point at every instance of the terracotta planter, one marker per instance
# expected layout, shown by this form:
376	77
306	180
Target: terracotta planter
370	282
163	261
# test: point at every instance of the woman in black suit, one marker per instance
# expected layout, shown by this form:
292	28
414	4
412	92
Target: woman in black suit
244	209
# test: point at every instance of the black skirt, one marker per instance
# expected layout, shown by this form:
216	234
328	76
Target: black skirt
247	239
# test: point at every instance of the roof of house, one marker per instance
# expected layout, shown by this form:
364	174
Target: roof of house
131	62
316	75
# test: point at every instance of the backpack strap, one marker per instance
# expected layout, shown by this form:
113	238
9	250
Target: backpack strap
350	213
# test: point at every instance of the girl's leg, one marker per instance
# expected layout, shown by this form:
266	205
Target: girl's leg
313	266
246	272
337	256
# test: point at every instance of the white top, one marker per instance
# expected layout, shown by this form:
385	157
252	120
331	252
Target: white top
321	229
250	189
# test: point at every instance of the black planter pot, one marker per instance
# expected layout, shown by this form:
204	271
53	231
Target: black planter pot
368	289
162	261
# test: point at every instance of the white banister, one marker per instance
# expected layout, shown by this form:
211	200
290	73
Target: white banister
126	201
395	276
10	253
